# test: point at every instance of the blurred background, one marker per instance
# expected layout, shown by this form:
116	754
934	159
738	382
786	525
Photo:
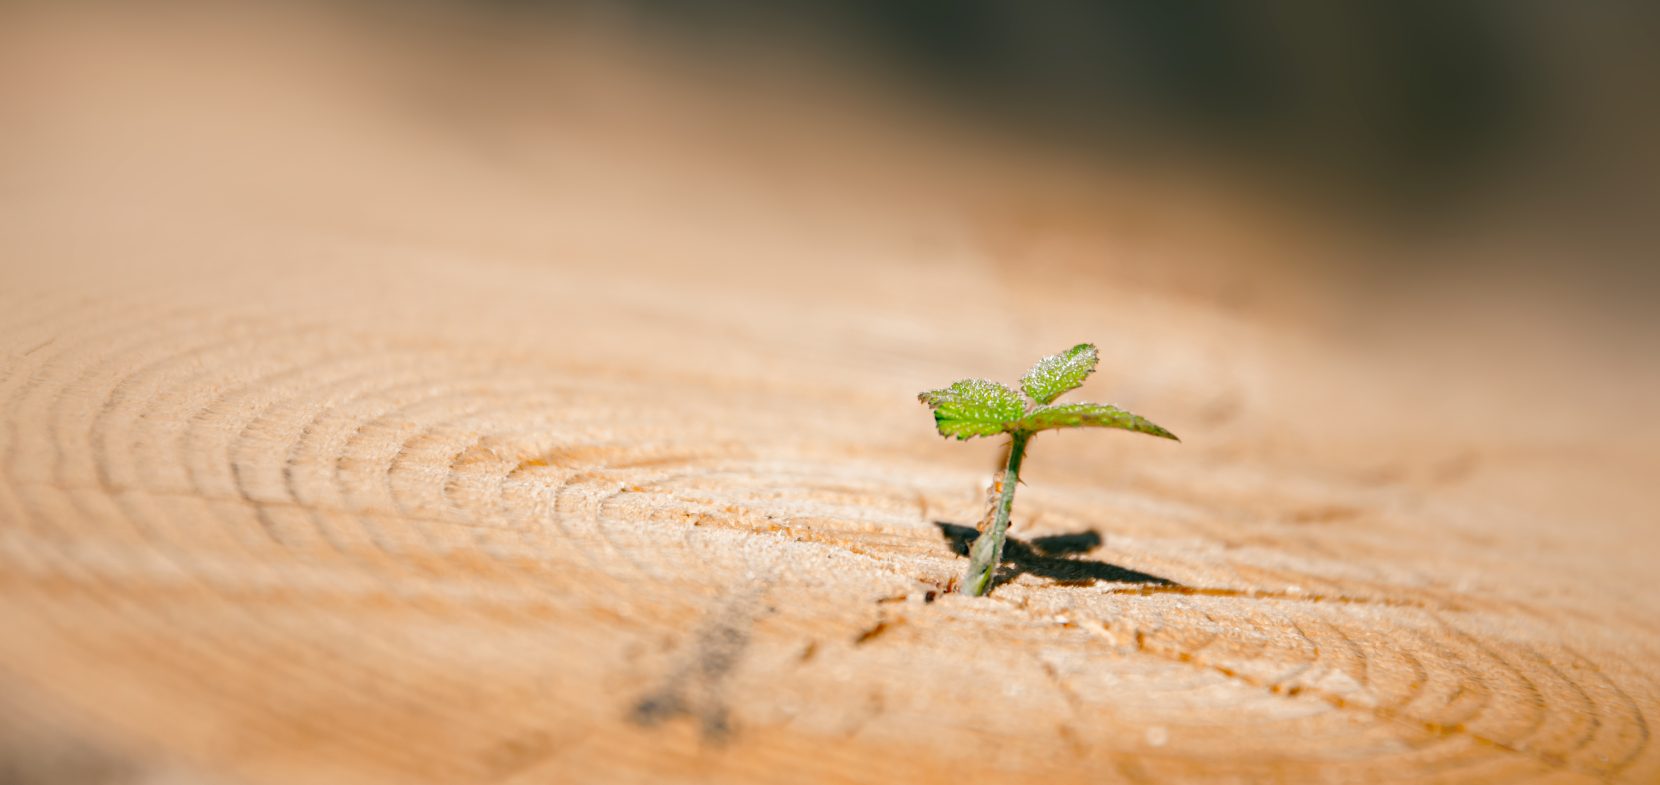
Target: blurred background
1445	186
1326	158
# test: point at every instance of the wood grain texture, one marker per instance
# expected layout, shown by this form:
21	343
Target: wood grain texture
422	468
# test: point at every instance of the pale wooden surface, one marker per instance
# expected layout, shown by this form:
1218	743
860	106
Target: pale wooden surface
375	461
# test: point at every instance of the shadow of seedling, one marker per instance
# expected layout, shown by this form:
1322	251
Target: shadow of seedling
1051	557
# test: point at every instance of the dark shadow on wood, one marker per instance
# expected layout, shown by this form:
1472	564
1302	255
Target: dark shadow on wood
1050	557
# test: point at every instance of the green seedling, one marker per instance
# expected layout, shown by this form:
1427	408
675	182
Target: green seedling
976	407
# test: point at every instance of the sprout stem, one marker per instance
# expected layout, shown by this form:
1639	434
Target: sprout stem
987	551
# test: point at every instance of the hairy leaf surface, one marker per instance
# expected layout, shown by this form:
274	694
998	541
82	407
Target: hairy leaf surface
1058	373
1089	415
974	407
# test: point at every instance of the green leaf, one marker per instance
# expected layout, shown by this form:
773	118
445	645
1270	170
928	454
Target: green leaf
974	407
1089	415
1058	373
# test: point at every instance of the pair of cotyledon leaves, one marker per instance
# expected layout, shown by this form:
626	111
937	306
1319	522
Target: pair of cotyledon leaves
976	407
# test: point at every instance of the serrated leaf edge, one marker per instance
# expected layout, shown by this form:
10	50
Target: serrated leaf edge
1161	431
935	399
1063	361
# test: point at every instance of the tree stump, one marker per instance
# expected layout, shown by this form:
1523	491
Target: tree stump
349	476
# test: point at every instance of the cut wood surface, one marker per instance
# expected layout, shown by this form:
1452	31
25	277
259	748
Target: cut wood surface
354	456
